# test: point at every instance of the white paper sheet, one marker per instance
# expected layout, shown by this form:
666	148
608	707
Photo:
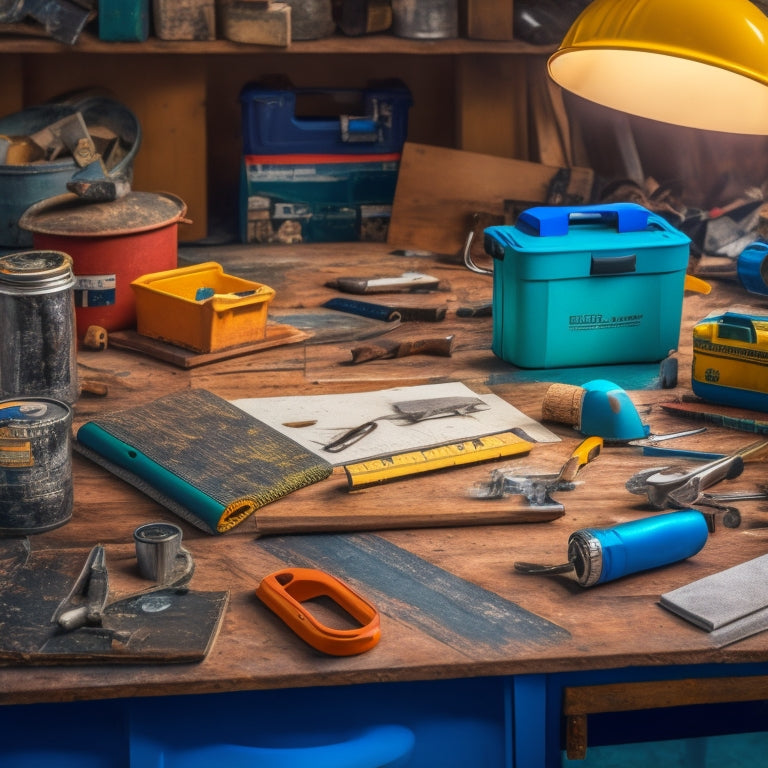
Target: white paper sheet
327	417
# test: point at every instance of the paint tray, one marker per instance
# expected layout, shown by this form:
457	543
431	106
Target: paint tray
201	308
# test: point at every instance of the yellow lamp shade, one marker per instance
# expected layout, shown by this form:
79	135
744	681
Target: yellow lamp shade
696	63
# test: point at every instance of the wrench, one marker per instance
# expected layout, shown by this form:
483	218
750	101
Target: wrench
678	487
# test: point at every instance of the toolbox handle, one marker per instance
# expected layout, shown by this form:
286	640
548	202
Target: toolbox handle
361	129
613	265
551	221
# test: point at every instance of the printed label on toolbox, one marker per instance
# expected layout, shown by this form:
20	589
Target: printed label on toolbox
596	322
95	290
262	168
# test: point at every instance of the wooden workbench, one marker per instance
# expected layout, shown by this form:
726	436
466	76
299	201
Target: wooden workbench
615	625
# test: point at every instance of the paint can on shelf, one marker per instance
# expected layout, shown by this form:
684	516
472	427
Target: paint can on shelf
425	19
36	493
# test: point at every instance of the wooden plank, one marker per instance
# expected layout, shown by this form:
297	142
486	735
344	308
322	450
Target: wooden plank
578	702
490	90
439	190
34	583
626	697
11	94
546	133
277	335
490	19
449	609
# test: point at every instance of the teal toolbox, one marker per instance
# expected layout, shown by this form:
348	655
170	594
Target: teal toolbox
586	285
320	165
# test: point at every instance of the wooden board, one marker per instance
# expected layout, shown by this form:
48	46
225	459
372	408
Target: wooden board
453	610
277	335
740	419
438	191
33	583
490	20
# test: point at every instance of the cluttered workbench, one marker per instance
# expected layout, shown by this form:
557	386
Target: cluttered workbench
465	637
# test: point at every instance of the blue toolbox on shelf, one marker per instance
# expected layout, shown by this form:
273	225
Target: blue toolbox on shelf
586	285
326	177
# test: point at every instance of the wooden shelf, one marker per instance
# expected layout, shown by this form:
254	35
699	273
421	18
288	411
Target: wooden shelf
337	44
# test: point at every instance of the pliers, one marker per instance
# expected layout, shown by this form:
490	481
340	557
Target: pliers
85	603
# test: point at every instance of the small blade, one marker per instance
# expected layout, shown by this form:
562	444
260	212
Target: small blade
535	568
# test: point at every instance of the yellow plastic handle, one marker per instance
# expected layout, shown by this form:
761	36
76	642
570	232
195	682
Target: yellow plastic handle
285	592
696	284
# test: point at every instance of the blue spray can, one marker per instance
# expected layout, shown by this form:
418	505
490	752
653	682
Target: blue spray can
598	555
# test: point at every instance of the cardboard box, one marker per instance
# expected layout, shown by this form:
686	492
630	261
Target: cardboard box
586	285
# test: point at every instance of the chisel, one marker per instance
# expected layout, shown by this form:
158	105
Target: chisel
408	281
384	312
385	349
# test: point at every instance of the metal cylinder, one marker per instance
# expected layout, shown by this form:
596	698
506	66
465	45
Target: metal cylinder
425	19
311	19
35	465
157	546
38	354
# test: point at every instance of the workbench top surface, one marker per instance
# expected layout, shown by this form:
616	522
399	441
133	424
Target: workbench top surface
613	625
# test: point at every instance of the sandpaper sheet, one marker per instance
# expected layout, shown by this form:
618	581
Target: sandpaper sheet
731	604
444	606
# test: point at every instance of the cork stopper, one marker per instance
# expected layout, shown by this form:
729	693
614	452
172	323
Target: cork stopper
562	404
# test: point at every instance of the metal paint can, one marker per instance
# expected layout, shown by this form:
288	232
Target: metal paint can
425	19
36	492
38	355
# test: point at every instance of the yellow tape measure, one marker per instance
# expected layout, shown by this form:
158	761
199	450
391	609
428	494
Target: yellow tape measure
398	465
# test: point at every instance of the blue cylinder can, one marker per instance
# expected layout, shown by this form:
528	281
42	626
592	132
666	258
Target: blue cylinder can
36	492
601	555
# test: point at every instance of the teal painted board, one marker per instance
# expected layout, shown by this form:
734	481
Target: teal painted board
124	20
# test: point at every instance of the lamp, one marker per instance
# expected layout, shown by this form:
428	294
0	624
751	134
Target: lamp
695	63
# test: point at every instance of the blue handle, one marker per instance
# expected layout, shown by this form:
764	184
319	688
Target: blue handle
363	308
650	542
751	268
551	221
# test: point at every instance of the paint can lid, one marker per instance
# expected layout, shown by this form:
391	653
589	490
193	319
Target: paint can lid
36	272
23	412
73	216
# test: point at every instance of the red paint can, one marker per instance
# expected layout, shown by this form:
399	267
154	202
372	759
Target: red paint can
111	244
